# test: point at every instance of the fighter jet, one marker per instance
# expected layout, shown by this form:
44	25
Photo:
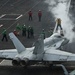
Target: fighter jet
46	51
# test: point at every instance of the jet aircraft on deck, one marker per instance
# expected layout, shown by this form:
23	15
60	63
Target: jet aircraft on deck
47	51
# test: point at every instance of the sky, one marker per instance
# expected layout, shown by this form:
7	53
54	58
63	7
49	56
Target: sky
60	9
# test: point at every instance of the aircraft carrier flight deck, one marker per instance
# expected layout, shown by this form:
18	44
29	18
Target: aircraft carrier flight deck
13	12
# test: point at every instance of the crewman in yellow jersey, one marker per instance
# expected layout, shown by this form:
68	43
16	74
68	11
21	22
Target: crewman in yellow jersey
58	21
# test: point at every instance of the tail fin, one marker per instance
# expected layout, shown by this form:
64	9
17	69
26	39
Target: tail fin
39	45
19	46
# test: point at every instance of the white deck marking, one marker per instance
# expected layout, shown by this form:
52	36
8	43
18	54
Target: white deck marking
19	17
1	25
2	62
2	15
6	63
4	18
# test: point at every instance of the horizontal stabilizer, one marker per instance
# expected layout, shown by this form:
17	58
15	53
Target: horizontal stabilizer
19	46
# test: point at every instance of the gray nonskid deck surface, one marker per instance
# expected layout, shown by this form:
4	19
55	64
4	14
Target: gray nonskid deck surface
22	7
31	70
47	23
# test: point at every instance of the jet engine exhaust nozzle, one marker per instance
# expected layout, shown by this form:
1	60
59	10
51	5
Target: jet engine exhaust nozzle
24	62
16	62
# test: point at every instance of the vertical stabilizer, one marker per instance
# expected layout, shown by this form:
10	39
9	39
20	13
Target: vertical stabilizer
39	45
19	46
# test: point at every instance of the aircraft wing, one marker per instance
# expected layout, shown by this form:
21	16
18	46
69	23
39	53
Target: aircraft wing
58	55
8	54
